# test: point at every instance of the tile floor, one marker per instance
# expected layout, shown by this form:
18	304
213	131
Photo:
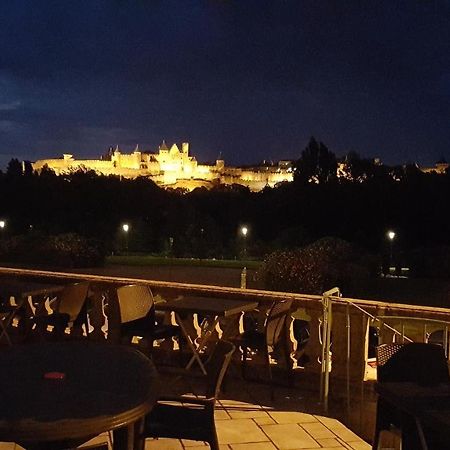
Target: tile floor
246	419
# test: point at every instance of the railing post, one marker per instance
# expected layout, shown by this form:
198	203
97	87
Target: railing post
326	345
244	278
348	355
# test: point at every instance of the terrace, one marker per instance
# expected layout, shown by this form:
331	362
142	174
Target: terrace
331	402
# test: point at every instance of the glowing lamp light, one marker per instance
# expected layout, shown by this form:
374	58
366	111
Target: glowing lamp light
2	224
244	231
391	235
125	227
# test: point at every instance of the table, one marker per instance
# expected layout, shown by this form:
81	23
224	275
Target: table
428	406
105	387
212	307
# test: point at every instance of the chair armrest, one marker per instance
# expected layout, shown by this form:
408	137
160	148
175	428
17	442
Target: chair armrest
187	399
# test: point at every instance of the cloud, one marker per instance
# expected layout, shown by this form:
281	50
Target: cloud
7	126
10	106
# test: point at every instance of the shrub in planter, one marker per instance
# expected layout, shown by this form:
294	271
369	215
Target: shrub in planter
317	267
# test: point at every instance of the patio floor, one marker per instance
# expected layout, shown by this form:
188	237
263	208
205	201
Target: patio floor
247	419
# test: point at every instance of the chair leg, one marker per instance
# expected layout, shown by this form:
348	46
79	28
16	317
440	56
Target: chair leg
269	370
289	371
214	442
244	361
380	425
376	439
180	349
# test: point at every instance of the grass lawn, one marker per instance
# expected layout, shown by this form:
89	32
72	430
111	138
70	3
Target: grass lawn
149	260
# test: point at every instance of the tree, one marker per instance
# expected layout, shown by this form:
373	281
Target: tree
316	164
27	169
14	168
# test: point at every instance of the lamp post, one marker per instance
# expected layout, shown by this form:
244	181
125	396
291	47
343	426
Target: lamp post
126	229
391	236
2	228
244	233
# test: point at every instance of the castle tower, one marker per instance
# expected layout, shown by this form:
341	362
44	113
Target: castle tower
163	146
185	148
220	163
137	157
116	157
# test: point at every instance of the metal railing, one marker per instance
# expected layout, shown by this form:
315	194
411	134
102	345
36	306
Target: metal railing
338	343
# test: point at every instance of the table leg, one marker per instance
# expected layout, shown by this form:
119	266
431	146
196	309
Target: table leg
202	344
421	434
139	438
195	354
206	334
5	323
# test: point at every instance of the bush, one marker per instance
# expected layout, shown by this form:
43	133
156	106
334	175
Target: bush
430	262
63	250
320	266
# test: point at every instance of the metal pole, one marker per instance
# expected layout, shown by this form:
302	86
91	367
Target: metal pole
323	374
326	345
244	278
348	327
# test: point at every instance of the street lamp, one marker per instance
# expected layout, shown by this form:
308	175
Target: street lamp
126	228
2	229
244	232
391	236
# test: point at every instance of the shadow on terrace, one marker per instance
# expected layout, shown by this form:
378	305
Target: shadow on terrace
328	401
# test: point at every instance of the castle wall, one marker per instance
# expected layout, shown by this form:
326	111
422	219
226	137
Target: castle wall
169	168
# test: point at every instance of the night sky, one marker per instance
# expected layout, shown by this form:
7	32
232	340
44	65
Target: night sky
250	79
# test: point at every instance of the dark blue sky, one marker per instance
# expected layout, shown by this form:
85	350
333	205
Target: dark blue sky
252	79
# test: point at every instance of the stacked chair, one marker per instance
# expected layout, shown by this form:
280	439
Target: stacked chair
137	317
70	310
273	334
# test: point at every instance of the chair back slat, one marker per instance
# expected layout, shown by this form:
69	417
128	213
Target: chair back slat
135	302
385	352
276	321
72	299
414	362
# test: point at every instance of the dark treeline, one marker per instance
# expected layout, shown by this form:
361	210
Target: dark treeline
359	207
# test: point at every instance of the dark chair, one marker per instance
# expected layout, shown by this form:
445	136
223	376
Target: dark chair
137	317
274	333
71	308
420	363
7	314
190	417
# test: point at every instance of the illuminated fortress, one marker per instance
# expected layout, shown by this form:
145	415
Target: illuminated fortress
172	167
